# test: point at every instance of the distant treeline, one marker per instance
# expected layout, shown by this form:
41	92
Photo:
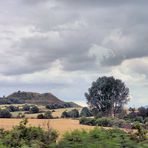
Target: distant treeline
11	101
56	105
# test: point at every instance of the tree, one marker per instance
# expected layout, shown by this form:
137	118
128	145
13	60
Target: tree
26	107
65	115
142	111
107	95
34	109
74	113
85	112
5	114
48	115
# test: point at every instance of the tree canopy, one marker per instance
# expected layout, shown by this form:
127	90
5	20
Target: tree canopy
107	95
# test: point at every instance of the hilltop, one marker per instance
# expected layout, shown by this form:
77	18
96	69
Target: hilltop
38	98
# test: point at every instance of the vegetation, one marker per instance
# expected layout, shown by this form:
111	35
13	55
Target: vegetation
23	136
85	112
46	115
71	114
107	95
100	138
105	122
34	109
35	137
10	101
56	105
5	113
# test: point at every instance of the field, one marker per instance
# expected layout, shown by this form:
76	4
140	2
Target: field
61	125
56	113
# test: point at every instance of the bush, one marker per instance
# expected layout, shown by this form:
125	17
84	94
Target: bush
40	116
34	109
71	114
139	119
46	115
22	136
12	108
5	114
74	113
105	122
97	138
85	112
26	107
56	106
10	101
87	121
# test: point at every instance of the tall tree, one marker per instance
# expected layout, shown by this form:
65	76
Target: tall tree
107	95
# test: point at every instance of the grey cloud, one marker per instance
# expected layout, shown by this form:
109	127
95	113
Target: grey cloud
77	29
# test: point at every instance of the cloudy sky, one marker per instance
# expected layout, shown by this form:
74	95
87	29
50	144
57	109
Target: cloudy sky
61	46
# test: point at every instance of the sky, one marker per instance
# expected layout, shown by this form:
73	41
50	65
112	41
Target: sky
61	46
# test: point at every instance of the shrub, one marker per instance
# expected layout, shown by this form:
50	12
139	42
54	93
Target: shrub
56	106
71	114
74	113
21	136
26	107
146	120
87	121
40	116
48	115
107	122
97	138
12	108
34	109
85	112
5	113
65	115
20	115
139	119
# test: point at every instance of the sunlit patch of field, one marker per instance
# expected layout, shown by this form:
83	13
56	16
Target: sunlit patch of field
61	125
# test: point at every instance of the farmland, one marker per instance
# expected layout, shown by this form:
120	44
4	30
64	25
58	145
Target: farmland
61	125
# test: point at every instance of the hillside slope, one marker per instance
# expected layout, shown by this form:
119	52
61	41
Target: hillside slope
36	98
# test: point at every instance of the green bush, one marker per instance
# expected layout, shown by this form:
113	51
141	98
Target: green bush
139	119
87	121
85	112
46	115
97	138
34	109
105	122
71	114
40	116
5	113
26	107
22	136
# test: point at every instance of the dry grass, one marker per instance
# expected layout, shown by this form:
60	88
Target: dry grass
61	125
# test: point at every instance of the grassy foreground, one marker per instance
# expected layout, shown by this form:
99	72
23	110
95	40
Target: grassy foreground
21	136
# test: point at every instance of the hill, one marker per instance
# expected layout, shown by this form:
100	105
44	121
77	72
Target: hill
36	98
39	99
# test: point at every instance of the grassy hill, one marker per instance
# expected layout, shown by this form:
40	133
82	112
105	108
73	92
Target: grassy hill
38	99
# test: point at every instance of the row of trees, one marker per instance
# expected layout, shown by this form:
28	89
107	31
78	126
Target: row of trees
56	105
10	101
85	112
